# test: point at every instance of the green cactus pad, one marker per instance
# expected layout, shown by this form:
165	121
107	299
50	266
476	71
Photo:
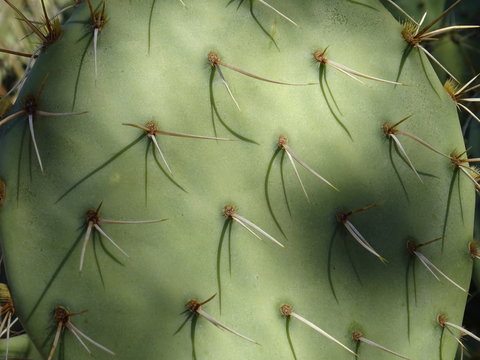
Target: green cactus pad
152	66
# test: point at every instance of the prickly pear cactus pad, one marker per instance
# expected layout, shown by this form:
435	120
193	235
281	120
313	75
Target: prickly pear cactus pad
160	154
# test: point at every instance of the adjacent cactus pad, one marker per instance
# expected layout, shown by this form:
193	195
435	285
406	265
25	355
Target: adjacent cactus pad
278	170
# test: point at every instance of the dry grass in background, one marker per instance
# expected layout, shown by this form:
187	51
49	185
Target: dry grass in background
15	35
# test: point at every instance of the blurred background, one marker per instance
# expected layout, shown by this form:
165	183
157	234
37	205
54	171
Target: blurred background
16	36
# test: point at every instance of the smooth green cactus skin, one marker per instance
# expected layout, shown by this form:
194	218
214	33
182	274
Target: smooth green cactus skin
135	303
